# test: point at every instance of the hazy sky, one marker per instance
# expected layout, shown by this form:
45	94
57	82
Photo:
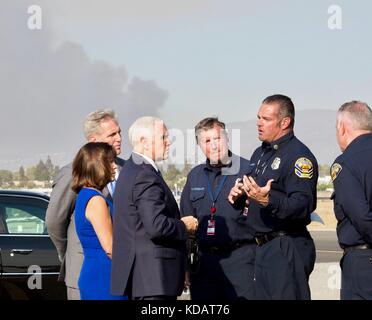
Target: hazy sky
179	59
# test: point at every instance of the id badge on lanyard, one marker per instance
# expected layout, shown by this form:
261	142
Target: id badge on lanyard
211	227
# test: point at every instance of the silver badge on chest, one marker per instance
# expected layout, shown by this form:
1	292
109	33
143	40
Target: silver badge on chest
275	164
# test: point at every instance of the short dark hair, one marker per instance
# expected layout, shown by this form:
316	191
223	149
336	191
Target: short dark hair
208	123
286	106
92	166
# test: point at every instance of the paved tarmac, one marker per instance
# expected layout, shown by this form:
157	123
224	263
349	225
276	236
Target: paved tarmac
327	248
325	280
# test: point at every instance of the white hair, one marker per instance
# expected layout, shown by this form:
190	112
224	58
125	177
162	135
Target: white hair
358	114
92	123
143	127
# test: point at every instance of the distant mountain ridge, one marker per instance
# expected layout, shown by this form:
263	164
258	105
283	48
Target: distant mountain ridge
314	127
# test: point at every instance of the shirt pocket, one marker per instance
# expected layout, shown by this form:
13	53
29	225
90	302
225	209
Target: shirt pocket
273	174
269	174
197	194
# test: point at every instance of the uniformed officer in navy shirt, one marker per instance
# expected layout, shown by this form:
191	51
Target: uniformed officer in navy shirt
226	246
352	179
281	192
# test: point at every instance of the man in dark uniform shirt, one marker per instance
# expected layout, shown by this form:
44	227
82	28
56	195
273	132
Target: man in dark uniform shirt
226	246
280	209
352	179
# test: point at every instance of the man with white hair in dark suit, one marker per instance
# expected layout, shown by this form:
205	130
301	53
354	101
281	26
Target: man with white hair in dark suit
149	246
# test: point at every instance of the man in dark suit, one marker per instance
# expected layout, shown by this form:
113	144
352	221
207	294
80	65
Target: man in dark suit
99	126
149	245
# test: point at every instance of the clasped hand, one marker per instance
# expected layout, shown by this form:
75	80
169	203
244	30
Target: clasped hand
191	224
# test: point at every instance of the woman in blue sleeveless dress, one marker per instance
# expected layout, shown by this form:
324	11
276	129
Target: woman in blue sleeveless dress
93	168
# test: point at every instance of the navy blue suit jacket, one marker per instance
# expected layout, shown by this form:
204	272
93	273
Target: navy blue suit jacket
149	240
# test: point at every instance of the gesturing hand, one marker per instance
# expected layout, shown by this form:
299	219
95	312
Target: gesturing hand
236	191
255	192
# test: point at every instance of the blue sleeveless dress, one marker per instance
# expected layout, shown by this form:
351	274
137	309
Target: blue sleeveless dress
94	280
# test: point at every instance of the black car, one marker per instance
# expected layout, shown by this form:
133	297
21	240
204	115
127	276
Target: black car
29	264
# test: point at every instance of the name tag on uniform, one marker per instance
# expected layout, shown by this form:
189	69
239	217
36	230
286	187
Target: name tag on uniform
211	227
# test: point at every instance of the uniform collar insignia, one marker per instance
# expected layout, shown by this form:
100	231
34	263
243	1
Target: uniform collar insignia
276	144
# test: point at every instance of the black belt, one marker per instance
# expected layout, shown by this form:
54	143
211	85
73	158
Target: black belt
265	238
358	247
225	248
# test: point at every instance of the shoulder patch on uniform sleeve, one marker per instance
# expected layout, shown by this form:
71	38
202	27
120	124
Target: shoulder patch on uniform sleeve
304	168
335	170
